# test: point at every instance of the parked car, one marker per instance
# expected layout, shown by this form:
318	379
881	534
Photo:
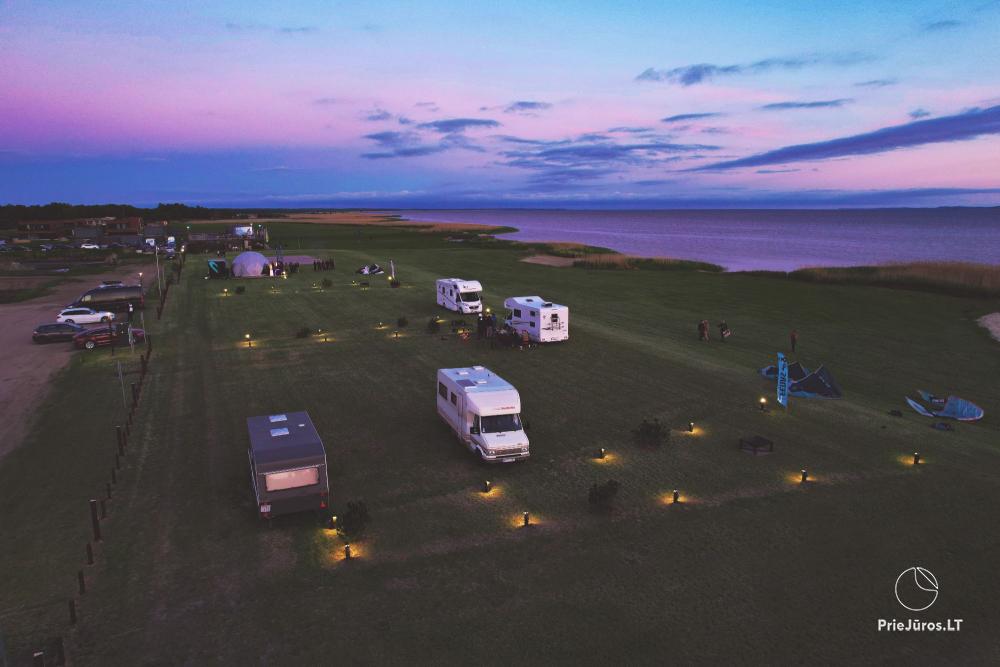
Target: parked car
89	246
111	283
103	336
52	333
84	316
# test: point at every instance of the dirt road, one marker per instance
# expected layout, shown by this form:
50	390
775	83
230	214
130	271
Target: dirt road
26	368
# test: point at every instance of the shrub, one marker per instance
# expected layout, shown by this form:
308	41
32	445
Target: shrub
354	521
327	282
651	434
402	322
240	289
433	325
602	496
303	332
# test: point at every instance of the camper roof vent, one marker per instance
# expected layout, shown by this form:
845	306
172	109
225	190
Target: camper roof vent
277	418
480	381
467	383
275	432
547	304
479	368
530	298
463	372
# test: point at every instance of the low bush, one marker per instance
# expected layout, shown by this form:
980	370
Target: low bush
651	434
602	496
354	522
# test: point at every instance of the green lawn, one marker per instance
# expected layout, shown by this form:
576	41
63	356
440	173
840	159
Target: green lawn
752	567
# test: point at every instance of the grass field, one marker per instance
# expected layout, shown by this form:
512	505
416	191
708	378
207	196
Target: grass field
752	567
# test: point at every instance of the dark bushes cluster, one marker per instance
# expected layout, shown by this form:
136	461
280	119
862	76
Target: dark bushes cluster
651	434
602	496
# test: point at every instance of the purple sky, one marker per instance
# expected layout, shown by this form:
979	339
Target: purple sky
485	104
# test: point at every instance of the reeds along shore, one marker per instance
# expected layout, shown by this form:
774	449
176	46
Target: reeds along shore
963	278
616	261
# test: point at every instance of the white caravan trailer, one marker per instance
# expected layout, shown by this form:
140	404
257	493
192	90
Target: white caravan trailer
544	321
460	295
484	411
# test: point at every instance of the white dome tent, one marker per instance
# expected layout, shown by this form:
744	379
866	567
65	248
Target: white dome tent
251	265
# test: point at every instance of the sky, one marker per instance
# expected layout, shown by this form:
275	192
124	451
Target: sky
473	104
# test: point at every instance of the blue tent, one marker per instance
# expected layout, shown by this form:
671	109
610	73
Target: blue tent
952	407
805	384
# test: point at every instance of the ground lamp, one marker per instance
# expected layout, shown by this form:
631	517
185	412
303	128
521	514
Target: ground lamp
690	427
487	486
601	453
527	518
395	334
333	522
324	335
347	552
677	496
763	404
225	291
805	475
916	458
249	340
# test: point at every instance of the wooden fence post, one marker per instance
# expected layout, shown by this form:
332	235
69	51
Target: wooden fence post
95	523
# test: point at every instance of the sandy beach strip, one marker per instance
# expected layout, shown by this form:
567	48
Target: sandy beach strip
371	218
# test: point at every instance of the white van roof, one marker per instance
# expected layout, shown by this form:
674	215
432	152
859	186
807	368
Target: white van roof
530	302
477	379
463	284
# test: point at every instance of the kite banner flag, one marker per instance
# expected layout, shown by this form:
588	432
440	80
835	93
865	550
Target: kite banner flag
782	380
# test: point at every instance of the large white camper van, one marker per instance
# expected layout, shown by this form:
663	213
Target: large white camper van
460	295
484	411
544	321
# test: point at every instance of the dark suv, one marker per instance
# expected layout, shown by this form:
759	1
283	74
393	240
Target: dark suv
51	333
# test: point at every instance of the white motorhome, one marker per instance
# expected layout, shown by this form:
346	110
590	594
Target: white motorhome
483	410
463	296
544	321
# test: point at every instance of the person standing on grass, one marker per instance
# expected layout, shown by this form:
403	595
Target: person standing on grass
723	331
794	338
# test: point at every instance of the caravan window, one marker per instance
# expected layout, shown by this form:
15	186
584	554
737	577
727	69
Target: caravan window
291	479
442	390
534	313
454	399
517	313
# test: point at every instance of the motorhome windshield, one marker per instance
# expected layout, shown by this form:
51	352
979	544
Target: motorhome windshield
469	296
501	423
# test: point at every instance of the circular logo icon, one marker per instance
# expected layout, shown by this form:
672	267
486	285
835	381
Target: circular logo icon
916	588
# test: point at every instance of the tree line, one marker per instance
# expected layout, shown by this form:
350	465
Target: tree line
11	214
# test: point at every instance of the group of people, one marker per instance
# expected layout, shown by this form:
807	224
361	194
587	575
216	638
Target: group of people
724	331
503	335
323	265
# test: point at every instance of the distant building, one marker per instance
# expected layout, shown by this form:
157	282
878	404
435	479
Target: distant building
80	228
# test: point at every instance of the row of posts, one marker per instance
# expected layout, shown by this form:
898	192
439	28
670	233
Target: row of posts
98	508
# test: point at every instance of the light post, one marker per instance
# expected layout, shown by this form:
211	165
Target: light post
249	340
763	404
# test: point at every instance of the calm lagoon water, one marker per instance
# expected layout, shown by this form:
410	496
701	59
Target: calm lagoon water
742	240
